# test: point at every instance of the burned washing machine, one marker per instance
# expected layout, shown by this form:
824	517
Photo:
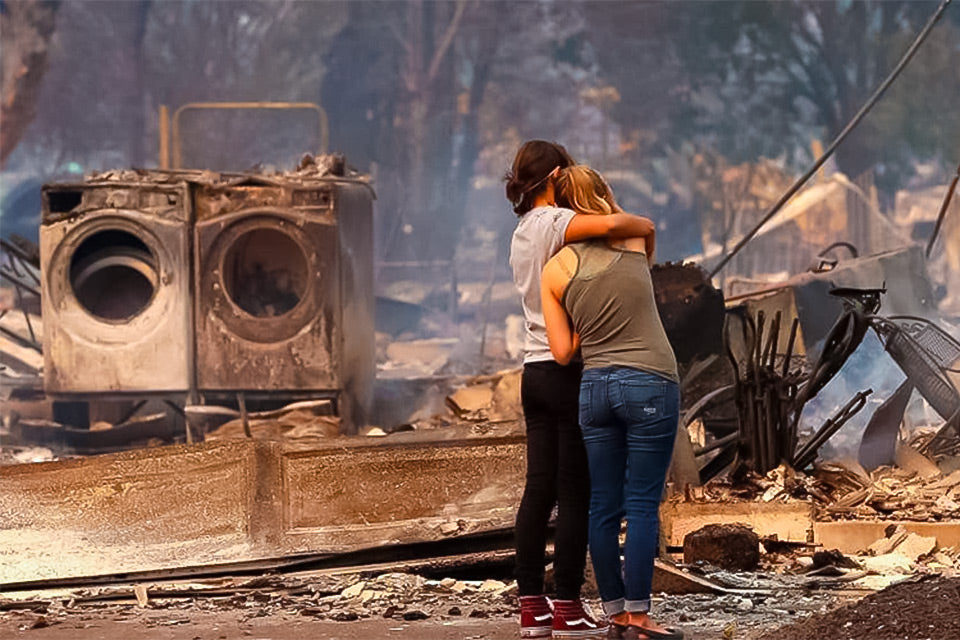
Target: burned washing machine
205	285
284	289
115	261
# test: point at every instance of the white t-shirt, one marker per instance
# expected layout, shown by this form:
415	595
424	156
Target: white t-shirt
538	236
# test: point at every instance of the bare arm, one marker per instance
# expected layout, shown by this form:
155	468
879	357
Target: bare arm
644	244
615	225
650	245
564	342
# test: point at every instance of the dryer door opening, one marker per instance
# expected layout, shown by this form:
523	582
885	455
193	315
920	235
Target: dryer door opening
265	273
114	275
268	305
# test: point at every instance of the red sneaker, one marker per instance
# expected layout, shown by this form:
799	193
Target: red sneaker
572	620
536	617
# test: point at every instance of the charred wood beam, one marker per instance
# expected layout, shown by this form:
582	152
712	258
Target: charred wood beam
716	444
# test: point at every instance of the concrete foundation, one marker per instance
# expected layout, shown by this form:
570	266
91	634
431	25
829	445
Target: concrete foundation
239	500
790	521
794	522
217	502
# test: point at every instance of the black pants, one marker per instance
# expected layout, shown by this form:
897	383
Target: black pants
557	474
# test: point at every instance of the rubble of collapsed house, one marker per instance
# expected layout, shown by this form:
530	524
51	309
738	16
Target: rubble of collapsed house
821	412
403	599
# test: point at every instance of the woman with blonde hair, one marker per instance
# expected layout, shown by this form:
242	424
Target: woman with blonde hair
597	296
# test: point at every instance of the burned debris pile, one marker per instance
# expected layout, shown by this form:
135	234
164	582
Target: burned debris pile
924	609
335	597
771	385
843	490
820	414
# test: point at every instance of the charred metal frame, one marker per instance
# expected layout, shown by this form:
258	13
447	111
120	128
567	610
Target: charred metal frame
323	130
20	269
770	396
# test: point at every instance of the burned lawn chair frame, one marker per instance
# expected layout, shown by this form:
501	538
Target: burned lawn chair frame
927	355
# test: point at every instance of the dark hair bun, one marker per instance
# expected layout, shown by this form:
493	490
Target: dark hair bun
534	162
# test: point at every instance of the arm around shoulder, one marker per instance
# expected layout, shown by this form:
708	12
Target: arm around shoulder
615	225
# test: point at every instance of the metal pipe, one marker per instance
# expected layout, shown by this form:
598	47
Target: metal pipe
790	343
770	351
13	249
21	340
808	452
716	444
17	283
26	316
164	132
323	128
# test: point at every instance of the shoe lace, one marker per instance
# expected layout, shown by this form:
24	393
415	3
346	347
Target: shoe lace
588	611
579	609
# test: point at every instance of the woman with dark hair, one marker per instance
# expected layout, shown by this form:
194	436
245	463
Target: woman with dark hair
556	459
597	297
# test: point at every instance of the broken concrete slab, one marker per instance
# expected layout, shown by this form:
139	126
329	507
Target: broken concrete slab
788	521
506	397
470	401
855	536
889	542
888	563
914	547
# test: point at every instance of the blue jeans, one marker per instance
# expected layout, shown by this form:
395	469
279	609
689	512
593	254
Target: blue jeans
629	423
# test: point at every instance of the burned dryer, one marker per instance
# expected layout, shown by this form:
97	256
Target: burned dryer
284	289
116	295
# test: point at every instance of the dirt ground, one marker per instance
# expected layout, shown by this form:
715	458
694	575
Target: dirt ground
927	609
703	617
230	625
406	606
195	625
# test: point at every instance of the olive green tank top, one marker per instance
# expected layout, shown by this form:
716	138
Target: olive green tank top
610	299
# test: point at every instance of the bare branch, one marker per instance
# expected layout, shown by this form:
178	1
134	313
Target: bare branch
447	40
